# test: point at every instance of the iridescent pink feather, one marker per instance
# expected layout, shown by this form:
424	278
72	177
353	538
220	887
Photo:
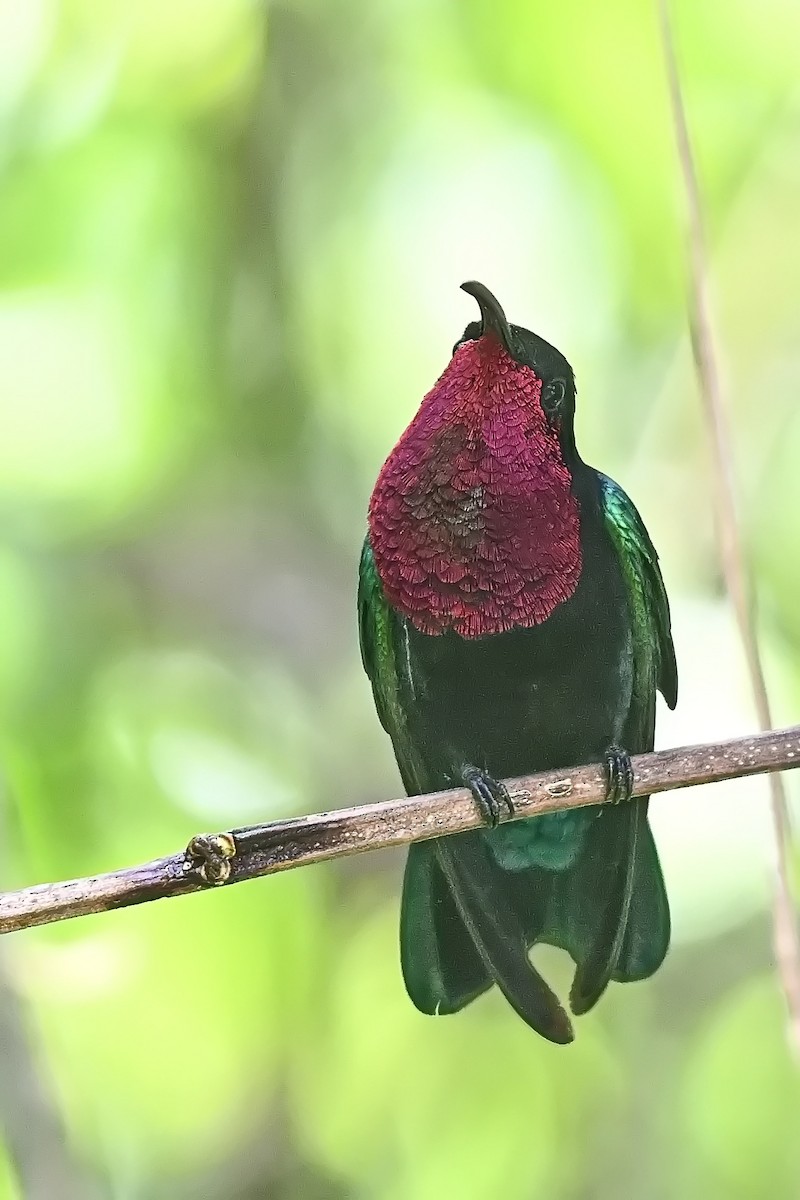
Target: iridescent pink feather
473	523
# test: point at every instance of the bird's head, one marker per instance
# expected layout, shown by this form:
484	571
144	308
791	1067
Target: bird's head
516	366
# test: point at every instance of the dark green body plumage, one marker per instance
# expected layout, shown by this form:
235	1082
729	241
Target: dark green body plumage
552	694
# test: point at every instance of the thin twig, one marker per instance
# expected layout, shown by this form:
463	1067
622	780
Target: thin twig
731	548
239	854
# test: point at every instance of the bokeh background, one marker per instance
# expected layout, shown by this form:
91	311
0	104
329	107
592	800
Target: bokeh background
231	239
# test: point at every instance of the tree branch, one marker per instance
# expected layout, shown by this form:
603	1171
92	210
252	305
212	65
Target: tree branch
786	941
239	854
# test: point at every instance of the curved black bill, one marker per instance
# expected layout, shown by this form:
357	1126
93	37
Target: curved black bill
492	316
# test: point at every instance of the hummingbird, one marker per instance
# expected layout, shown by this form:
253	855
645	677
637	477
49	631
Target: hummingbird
513	619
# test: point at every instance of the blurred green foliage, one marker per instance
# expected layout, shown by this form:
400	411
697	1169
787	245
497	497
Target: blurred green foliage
230	244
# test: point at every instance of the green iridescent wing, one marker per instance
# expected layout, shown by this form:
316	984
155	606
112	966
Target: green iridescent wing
654	666
647	933
387	663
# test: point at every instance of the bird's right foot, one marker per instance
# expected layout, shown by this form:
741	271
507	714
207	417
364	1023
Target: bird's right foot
491	796
619	775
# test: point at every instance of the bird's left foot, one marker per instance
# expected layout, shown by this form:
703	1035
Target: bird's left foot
619	775
491	796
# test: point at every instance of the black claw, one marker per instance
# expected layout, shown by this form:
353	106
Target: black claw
619	775
491	796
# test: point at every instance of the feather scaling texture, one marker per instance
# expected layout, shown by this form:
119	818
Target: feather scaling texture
472	522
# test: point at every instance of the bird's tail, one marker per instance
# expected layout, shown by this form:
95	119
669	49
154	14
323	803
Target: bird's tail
610	911
468	922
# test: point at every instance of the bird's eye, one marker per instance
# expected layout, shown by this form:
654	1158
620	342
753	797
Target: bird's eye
553	396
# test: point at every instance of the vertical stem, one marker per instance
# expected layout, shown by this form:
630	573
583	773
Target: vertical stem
729	536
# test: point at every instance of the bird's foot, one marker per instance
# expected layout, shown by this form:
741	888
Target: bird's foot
211	854
490	795
619	775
